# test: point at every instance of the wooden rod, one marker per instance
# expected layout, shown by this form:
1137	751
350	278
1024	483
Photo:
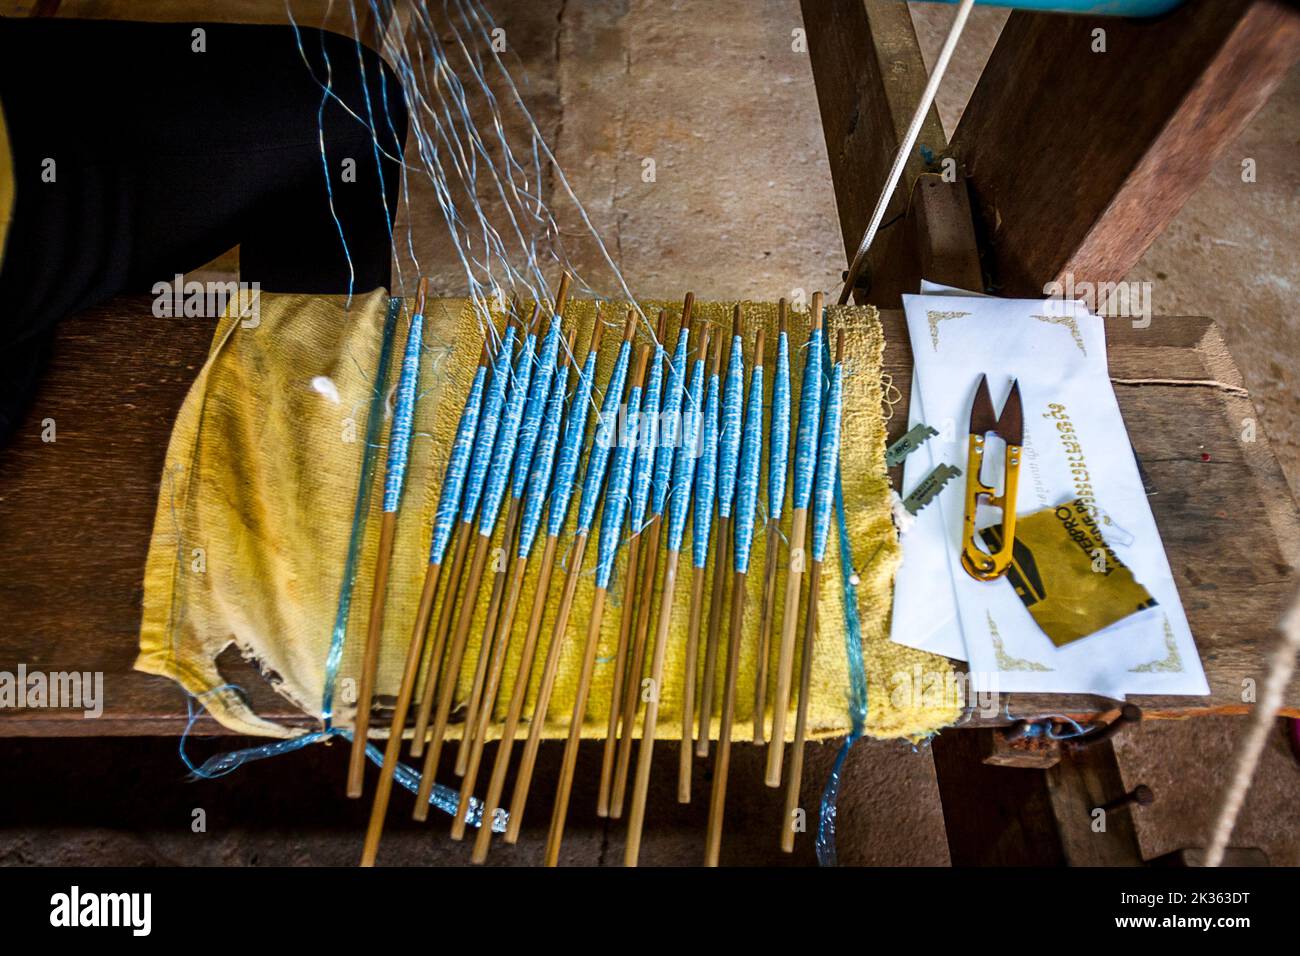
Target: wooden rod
722	760
722	537
785	662
464	535
383	561
692	661
790	621
745	513
627	623
370	657
765	631
489	633
384	789
636	665
565	785
801	715
501	766
451	676
645	755
562	296
519	798
768	612
483	717
688	687
593	632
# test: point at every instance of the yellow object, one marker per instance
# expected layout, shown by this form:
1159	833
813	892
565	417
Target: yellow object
256	508
1067	575
6	184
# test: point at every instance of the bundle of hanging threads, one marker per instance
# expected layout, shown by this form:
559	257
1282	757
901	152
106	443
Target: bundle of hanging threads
677	433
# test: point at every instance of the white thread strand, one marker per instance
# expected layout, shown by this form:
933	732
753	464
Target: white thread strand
905	147
1281	667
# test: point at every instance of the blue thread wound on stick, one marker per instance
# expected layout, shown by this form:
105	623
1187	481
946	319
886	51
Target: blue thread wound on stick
399	436
489	422
616	496
453	480
507	438
679	498
670	422
602	441
540	478
810	408
828	455
536	408
647	436
778	453
729	437
751	449
571	449
706	478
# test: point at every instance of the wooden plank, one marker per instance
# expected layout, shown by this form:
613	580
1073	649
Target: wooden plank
994	816
1077	159
869	75
76	514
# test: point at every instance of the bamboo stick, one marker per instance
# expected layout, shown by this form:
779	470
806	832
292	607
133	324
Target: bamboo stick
505	626
722	759
592	484
645	754
809	408
626	626
499	577
746	509
703	506
384	557
448	505
629	659
778	458
827	466
723	545
464	536
540	391
611	530
503	449
679	506
795	780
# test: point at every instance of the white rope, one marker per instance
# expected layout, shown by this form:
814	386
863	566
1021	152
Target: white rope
905	147
1280	669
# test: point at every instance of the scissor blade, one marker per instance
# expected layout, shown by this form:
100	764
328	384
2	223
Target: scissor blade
982	419
1011	423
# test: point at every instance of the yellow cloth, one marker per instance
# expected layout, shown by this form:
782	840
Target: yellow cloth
257	500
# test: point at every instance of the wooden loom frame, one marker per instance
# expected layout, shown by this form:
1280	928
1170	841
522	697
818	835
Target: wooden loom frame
1067	168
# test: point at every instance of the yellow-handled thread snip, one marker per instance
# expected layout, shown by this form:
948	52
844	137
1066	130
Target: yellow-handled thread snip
1009	426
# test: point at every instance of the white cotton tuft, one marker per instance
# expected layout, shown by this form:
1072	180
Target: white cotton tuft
325	386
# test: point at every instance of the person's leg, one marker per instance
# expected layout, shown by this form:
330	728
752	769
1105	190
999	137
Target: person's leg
138	156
